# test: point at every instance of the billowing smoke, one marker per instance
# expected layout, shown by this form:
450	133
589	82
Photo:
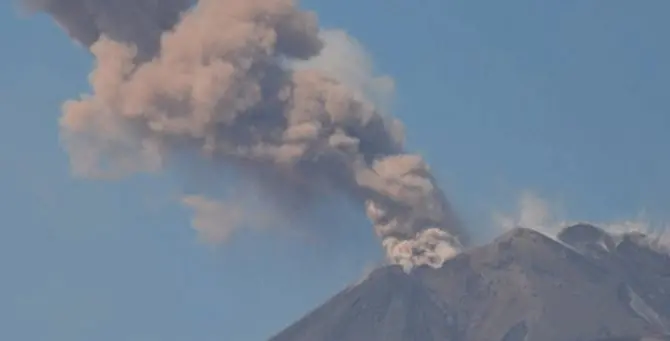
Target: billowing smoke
137	22
220	79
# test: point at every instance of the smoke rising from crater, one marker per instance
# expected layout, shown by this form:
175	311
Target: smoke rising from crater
232	80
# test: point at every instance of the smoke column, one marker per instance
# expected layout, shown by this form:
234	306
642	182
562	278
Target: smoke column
215	78
137	22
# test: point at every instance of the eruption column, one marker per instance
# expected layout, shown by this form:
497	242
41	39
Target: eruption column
216	79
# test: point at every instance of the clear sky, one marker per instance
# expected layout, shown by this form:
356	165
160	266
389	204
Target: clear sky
568	99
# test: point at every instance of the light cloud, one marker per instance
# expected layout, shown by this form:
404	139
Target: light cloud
346	59
537	213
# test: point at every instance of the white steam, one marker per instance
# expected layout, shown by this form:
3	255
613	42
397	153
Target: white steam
537	213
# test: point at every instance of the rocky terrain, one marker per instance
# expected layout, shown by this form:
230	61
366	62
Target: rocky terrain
524	286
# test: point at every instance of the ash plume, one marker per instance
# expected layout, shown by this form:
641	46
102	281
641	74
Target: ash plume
218	78
137	22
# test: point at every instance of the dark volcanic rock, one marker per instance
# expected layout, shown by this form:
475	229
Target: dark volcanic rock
644	269
388	306
524	276
523	286
588	239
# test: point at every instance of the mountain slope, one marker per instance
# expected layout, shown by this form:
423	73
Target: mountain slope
388	306
521	286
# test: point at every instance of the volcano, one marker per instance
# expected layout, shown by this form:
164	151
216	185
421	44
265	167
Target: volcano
586	285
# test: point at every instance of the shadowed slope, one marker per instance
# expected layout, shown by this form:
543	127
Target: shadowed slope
523	286
388	306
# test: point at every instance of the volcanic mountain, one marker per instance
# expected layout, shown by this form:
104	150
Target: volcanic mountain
587	285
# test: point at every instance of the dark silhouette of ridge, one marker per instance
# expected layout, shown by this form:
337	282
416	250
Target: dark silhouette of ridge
523	286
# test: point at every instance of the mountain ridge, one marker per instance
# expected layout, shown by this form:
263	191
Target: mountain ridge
522	286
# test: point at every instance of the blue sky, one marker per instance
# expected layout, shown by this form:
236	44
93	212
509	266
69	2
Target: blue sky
564	98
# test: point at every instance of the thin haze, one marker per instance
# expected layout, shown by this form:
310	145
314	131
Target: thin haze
226	82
